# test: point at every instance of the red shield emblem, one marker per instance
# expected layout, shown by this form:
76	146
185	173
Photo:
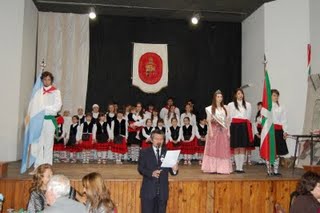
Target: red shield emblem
150	68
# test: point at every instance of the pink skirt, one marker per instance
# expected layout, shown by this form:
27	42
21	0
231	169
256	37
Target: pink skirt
217	152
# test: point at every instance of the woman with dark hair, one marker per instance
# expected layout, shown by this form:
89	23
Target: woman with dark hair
217	154
279	116
308	190
241	136
98	196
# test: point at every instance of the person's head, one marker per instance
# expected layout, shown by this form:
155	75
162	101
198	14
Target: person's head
97	192
186	121
160	123
66	113
275	96
190	101
259	105
174	122
309	184
75	119
139	107
47	78
133	110
157	138
102	117
203	121
217	101
127	108
120	114
239	96
188	108
80	111
170	101
111	108
41	178
148	122
116	106
58	186
172	108
88	116
150	107
95	108
155	113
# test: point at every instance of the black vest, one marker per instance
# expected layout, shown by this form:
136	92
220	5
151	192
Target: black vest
202	130
163	129
81	120
87	128
59	132
102	129
73	130
187	132
175	132
110	119
148	132
119	127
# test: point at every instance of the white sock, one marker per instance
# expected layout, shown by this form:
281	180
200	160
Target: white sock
276	165
236	160
241	161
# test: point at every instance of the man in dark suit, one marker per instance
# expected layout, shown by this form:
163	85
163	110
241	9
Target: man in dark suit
155	186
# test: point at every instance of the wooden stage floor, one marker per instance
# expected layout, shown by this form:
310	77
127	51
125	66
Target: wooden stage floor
190	191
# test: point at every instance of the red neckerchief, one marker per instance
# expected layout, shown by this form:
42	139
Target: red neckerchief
52	88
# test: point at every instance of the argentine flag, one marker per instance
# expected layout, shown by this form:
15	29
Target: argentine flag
33	124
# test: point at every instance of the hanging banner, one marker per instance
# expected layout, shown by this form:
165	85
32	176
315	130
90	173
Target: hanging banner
150	67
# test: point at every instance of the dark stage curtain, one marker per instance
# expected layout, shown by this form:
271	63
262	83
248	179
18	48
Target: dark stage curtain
201	60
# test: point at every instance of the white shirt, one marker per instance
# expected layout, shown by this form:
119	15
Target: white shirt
192	117
243	113
279	116
167	121
51	101
164	111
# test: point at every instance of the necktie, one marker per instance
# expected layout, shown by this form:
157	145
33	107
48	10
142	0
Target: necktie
158	156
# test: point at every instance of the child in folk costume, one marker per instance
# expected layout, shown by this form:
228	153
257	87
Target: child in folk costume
119	128
188	141
164	111
148	112
188	113
81	115
171	114
174	135
241	135
95	112
217	153
135	125
101	138
154	117
127	110
160	126
281	132
111	114
86	130
73	140
257	130
59	141
146	133
201	133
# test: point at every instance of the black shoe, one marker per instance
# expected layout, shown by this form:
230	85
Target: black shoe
277	174
270	174
239	171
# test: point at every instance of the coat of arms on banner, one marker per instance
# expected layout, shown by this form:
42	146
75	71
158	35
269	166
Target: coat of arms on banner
150	67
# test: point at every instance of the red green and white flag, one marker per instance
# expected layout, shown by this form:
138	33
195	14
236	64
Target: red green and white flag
267	147
309	59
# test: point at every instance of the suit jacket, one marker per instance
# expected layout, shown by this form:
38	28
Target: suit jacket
147	164
65	205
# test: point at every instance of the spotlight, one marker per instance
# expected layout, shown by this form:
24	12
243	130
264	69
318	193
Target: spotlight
92	13
195	19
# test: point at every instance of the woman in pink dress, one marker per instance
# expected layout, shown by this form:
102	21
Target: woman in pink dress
217	154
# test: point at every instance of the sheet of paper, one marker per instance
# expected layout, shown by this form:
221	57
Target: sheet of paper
170	159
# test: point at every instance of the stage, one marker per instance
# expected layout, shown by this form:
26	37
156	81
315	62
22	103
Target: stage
190	191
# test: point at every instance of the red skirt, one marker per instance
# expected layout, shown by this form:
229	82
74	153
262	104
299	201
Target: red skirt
58	147
189	148
87	144
146	144
102	146
171	146
74	148
120	148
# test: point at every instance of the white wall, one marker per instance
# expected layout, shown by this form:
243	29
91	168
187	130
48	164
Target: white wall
252	56
18	19
315	34
285	34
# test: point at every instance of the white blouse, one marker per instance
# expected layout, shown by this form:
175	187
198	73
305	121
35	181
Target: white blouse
243	113
191	116
279	116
